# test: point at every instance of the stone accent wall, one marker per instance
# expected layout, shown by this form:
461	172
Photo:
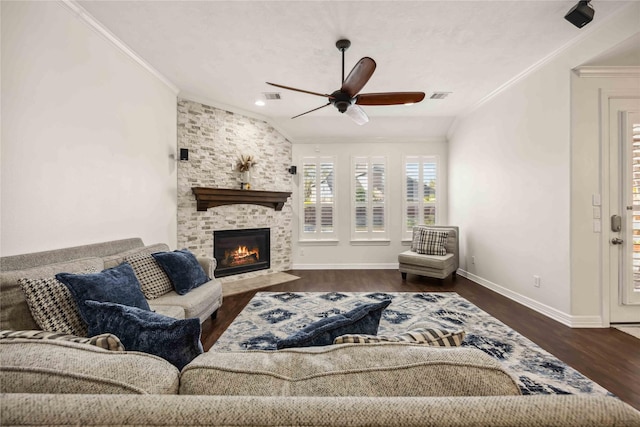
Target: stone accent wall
216	139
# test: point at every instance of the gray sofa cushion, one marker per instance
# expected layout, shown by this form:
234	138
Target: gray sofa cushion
15	312
45	366
199	302
441	262
118	258
174	311
387	369
97	250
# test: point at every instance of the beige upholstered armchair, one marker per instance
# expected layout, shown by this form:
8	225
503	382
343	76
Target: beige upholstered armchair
440	253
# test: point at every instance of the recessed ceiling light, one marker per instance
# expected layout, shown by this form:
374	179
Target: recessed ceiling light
260	103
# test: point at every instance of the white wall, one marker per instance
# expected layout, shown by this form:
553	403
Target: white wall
510	181
344	254
86	136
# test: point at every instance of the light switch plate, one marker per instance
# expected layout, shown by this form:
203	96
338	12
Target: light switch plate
596	212
595	200
597	226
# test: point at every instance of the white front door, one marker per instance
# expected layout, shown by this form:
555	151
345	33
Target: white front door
624	224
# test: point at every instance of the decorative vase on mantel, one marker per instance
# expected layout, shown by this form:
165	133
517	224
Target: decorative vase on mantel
245	180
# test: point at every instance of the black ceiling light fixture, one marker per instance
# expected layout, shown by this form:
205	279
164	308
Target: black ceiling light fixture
580	14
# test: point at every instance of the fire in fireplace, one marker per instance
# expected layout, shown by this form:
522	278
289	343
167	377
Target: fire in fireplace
241	251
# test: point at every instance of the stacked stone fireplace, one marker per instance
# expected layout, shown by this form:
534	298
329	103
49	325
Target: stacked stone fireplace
216	139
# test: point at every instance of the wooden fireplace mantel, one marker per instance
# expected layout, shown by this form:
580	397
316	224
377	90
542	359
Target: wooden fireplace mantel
211	197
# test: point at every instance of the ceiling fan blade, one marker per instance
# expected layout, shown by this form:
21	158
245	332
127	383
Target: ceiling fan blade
301	90
389	98
358	77
357	114
311	111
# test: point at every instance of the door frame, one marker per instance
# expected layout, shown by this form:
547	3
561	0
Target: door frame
605	96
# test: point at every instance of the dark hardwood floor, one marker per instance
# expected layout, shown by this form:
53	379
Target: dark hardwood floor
607	356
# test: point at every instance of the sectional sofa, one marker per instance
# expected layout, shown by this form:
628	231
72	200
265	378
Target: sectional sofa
53	382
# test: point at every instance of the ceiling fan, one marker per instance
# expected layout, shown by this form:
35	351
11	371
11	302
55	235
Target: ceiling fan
348	100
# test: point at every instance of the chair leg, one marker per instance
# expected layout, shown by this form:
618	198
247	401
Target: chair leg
214	315
454	275
404	275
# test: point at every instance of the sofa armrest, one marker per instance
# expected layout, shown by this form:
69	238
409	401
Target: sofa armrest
209	265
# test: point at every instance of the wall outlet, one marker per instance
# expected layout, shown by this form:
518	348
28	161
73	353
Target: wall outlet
473	260
301	252
536	281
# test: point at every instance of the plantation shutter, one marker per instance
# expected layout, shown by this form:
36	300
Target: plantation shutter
318	198
420	201
369	218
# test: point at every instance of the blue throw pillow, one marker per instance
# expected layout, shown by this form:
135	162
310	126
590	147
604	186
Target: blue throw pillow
175	340
365	317
183	269
118	284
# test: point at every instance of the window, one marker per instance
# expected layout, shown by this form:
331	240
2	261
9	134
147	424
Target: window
318	198
368	198
419	195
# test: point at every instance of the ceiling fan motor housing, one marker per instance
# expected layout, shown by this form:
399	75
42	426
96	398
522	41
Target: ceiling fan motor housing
341	100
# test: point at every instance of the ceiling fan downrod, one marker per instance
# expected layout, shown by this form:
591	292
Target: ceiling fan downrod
343	45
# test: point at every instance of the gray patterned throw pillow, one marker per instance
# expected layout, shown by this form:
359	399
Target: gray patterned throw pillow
429	241
153	280
52	306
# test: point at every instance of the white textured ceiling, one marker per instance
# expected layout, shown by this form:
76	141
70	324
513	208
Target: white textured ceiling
223	52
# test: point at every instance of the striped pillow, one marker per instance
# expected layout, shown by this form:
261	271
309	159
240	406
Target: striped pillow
429	241
105	341
431	337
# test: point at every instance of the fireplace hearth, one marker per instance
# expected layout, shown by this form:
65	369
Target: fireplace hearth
241	251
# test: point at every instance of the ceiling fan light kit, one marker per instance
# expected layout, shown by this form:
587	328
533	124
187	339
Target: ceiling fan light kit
348	100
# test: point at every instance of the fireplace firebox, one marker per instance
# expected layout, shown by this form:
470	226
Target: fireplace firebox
241	251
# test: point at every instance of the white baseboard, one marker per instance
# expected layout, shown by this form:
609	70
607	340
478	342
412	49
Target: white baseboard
378	266
555	314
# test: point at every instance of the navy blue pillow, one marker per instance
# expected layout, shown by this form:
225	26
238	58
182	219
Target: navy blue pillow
175	340
364	319
118	284
183	269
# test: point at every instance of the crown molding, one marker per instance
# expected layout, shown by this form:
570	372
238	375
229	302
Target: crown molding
372	140
607	71
84	16
583	35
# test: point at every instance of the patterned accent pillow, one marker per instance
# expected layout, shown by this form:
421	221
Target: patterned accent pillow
153	280
105	341
52	306
431	337
429	241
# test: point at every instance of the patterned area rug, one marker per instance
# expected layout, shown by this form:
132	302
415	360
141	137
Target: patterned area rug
273	315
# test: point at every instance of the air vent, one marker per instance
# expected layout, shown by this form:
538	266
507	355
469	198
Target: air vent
439	95
269	96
